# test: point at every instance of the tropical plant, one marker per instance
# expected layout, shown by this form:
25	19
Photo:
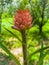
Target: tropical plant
23	20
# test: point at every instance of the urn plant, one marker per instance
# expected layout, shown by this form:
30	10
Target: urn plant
23	21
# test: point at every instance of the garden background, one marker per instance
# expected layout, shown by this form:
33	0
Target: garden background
37	36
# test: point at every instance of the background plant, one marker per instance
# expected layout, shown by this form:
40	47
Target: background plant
33	34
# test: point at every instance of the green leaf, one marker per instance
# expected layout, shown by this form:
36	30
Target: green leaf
10	54
13	34
47	52
42	58
37	51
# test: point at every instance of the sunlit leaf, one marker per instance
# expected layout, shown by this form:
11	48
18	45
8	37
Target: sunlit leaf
13	34
10	54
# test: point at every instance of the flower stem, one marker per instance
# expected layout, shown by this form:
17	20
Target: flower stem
24	46
40	62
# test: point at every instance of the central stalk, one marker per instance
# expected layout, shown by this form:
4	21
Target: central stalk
24	46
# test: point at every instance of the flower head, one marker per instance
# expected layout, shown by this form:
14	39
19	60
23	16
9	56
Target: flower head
22	20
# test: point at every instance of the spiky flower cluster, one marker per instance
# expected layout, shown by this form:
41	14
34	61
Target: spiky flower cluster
22	20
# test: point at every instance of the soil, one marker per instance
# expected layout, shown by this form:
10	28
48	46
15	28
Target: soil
6	60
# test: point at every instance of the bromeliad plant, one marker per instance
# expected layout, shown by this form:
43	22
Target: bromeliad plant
23	21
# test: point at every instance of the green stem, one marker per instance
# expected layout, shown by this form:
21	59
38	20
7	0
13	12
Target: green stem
24	46
40	62
1	20
40	27
41	54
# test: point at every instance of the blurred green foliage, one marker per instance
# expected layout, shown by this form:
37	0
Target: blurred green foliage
33	37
